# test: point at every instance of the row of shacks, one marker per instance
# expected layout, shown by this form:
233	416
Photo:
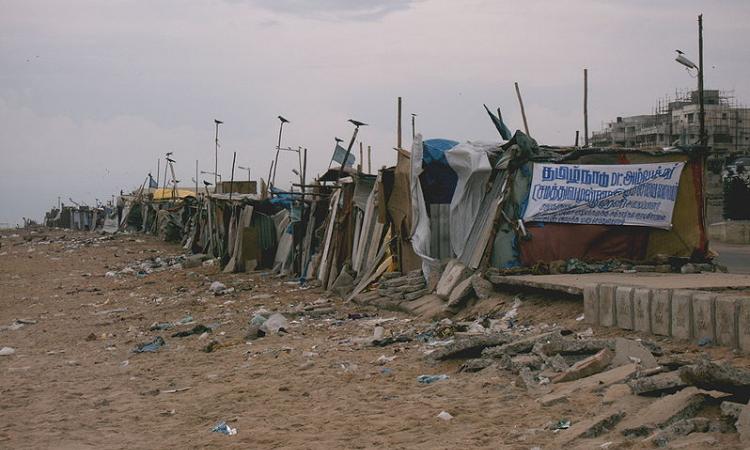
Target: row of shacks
441	201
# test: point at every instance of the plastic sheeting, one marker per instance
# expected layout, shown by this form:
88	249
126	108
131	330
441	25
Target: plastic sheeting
420	227
471	164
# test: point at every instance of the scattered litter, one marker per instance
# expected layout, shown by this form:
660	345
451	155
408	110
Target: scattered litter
444	415
580	318
275	324
198	329
174	391
382	360
110	311
152	346
18	324
217	287
562	424
7	351
223	428
168	412
161	326
390	340
186	320
429	379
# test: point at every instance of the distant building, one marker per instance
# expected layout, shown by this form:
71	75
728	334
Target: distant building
677	122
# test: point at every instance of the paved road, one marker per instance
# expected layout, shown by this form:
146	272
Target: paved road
735	256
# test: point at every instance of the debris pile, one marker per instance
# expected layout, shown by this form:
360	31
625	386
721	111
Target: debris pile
646	397
408	287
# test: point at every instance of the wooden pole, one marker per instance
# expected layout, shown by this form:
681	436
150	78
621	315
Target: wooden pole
231	180
586	107
523	111
398	125
361	157
577	132
369	159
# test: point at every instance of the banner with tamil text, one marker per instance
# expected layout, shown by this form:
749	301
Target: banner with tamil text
628	194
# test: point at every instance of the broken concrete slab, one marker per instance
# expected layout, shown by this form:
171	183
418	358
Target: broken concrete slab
468	347
523	345
629	351
455	272
662	438
427	307
482	287
590	428
720	377
731	410
517	363
461	292
528	380
563	346
596	382
615	393
586	367
657	385
416	294
665	411
476	365
694	441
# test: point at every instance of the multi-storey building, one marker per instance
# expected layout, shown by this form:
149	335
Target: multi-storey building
676	122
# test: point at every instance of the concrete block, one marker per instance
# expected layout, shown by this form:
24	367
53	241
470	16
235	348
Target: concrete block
726	321
454	273
642	309
607	305
661	312
682	303
704	316
591	304
743	323
624	307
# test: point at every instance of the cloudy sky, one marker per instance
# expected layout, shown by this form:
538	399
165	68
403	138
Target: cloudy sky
93	92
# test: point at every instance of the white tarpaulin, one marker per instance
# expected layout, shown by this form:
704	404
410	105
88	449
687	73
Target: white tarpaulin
420	226
630	194
469	161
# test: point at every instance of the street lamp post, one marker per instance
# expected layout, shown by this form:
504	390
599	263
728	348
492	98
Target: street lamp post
702	137
278	148
248	171
356	124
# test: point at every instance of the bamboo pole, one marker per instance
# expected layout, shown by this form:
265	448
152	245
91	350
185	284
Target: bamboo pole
523	111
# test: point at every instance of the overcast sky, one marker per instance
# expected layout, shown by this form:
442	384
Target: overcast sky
93	92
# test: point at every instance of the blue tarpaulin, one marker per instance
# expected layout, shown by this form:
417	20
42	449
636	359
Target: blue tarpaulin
437	178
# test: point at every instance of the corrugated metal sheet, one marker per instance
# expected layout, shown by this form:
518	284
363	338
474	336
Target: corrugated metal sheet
440	237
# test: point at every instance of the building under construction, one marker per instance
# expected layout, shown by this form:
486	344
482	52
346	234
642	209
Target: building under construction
675	121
